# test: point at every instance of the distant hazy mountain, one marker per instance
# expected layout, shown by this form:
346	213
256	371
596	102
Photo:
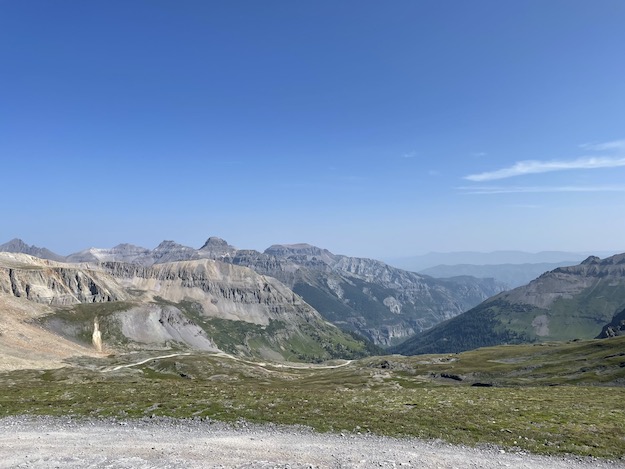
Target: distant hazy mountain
119	253
18	246
512	275
425	261
566	303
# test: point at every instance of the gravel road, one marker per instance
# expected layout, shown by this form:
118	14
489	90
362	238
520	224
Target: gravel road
44	442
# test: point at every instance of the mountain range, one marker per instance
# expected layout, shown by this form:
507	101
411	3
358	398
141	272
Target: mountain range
574	302
304	302
199	304
381	303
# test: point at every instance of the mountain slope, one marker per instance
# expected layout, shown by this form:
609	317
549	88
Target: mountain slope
566	303
202	304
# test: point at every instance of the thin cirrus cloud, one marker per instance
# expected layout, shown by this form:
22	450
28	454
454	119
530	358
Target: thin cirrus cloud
522	168
606	146
540	189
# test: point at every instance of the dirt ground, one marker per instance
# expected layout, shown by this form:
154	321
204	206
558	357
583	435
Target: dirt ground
43	442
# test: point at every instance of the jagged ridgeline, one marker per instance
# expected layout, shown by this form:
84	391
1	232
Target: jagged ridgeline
363	296
577	302
200	305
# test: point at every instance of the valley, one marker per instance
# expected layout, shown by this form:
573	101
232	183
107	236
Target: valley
574	302
209	339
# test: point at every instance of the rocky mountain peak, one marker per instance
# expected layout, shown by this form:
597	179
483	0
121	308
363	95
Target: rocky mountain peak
16	245
129	249
170	251
167	244
217	247
215	241
300	250
591	260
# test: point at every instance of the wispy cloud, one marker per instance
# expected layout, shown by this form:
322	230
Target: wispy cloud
539	189
605	146
412	154
522	168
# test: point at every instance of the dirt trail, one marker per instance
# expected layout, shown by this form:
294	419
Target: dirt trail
232	357
167	443
129	365
303	366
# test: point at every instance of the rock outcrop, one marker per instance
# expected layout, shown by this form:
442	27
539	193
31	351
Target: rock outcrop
222	290
615	327
53	283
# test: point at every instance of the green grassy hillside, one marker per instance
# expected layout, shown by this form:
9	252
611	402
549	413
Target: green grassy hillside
307	341
544	398
567	303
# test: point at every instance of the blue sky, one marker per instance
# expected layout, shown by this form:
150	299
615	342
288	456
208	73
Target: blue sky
377	129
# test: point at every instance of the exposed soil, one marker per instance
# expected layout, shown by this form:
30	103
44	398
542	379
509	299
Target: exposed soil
44	442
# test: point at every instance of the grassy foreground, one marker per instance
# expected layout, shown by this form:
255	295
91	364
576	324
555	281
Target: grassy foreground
541	399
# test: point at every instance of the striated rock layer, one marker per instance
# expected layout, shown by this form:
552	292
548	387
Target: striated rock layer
54	283
201	304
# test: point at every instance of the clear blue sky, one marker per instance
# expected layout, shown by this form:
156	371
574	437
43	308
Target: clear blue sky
377	129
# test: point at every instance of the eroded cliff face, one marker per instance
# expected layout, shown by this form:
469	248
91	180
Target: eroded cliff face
200	304
54	283
223	290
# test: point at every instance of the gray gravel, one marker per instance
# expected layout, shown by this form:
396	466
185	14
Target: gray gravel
44	442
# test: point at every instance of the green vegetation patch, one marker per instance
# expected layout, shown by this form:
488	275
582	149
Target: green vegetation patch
536	402
77	322
311	342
